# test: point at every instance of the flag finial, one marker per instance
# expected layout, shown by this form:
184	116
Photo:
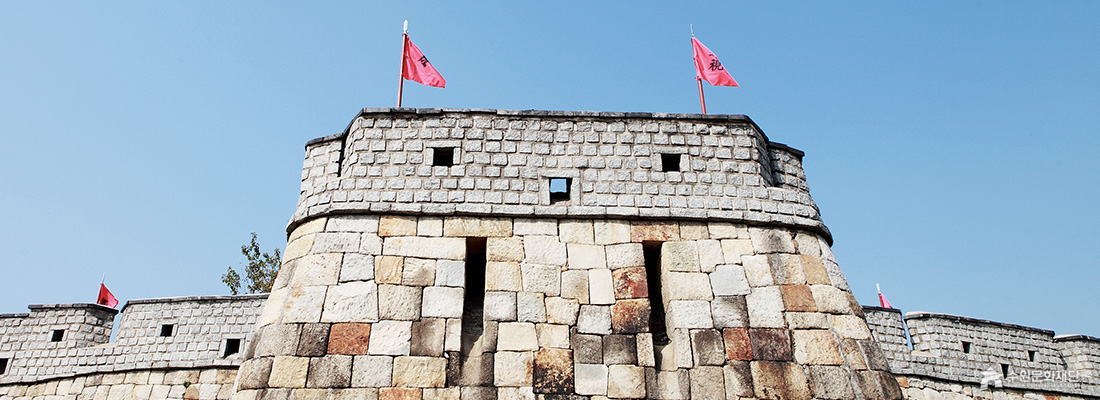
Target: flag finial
692	26
406	26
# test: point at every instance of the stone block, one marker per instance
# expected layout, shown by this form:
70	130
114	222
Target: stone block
738	379
829	299
442	302
288	372
590	379
304	304
673	385
298	247
783	380
630	283
370	244
787	269
513	368
255	373
516	336
507	249
317	270
806	320
336	242
553	371
422	372
765	306
729	280
477	227
546	250
770	344
372	371
552	335
505	276
574	285
429	226
331	371
451	393
398	393
353	394
450	248
758	271
707	383
654	231
797	298
814	270
726	230
680	257
625	255
830	382
450	273
691	230
418	272
530	307
390	338
645	349
686	286
309	227
278	340
348	338
734	249
729	312
500	306
611	231
601	290
708	347
453	339
475	371
587	349
576	231
620	349
399	302
850	327
816	346
710	254
586	256
771	240
807	244
562	311
357	267
737	344
396	225
427	337
876	360
524	226
596	319
544	279
351	302
630	316
388	269
516	393
689	314
626	382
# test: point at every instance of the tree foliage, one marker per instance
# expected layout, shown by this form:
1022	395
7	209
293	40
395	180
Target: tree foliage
259	273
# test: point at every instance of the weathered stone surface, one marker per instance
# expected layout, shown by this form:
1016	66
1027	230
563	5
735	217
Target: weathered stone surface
419	371
476	371
814	270
601	290
611	231
689	314
427	337
850	327
765	306
630	283
806	320
729	312
358	267
508	249
779	380
317	270
686	286
429	226
527	226
336	242
673	385
503	276
562	311
710	254
787	269
625	255
708	347
418	272
278	340
553	371
591	379
451	393
425	247
298	247
737	344
645	350
586	256
397	393
738	380
442	302
450	273
309	227
396	225
544	279
587	349
390	338
351	302
354	394
349	338
630	316
513	368
500	306
574	285
770	344
516	336
399	302
771	241
707	383
546	250
657	231
388	269
758	271
576	231
372	371
625	382
729	280
829	299
288	372
797	298
254	373
876	360
452	340
808	244
553	335
596	319
680	257
693	230
817	346
830	382
477	227
331	371
516	393
620	349
530	307
734	249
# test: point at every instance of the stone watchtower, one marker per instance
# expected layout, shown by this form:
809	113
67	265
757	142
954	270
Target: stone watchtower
493	254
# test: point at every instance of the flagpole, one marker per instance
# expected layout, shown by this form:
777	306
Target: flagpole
702	102
404	48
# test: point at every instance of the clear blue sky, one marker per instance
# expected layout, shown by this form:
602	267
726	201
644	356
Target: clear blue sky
951	146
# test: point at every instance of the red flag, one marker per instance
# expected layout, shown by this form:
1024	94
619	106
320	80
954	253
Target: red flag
882	299
708	68
416	67
105	297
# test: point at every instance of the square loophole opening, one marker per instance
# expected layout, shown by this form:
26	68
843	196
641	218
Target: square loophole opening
966	346
3	366
57	335
232	346
443	157
559	190
670	162
166	330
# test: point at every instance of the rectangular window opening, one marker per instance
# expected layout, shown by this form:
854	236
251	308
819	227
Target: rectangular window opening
166	330
232	346
443	156
1004	370
473	304
559	189
966	346
1031	355
3	366
670	162
58	334
651	252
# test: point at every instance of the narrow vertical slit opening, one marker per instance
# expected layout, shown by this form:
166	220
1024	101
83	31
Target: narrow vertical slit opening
966	346
474	298
1004	370
651	251
1031	355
